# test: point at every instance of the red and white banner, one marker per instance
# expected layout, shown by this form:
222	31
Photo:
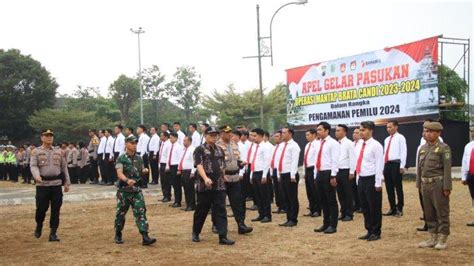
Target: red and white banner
395	82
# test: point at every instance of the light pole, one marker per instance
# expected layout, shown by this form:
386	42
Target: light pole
259	50
138	32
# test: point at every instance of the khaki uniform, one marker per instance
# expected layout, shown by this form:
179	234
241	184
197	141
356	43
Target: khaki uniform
49	163
434	177
232	160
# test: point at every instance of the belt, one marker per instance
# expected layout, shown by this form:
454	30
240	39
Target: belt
428	180
232	172
394	161
50	178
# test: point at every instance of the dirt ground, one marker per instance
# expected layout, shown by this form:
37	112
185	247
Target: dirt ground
86	233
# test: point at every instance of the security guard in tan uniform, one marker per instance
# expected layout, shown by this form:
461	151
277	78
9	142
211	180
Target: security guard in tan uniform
434	179
49	169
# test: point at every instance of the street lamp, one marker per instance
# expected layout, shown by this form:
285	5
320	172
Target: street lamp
259	49
138	32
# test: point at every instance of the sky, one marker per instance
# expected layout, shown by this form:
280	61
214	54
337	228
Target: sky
89	43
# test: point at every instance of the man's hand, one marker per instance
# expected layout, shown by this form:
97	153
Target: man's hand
402	171
264	180
145	171
351	176
131	182
378	189
38	179
241	177
446	193
66	188
464	182
208	182
333	181
226	178
293	179
178	173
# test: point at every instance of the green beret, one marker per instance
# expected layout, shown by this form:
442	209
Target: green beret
436	126
131	138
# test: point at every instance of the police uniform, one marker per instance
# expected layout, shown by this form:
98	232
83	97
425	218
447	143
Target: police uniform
2	163
73	165
94	167
434	178
131	196
49	164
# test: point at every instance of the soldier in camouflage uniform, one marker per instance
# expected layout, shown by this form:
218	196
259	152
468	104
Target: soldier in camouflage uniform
130	171
434	179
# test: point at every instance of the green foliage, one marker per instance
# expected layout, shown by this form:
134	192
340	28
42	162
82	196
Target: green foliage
67	125
25	86
125	91
184	88
451	85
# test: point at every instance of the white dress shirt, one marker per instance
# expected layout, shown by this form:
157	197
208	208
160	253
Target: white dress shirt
372	161
142	144
109	148
203	139
196	139
269	150
466	160
260	159
187	159
289	159
329	155
174	154
243	155
164	151
101	148
154	144
398	149
347	158
181	137
276	153
119	144
310	155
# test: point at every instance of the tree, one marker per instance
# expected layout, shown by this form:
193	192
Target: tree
25	86
68	126
124	91
184	88
452	86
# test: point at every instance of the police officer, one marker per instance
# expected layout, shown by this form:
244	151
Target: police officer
49	169
233	164
92	148
131	172
210	164
434	179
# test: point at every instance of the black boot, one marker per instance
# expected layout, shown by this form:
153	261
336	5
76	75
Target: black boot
118	237
244	229
38	230
52	236
223	240
147	240
195	237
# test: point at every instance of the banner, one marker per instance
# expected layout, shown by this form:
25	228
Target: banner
395	82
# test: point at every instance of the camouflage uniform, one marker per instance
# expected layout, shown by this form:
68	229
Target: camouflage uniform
131	196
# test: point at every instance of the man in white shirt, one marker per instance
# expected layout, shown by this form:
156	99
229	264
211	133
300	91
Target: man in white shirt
196	138
345	176
203	128
172	168
270	148
109	158
395	156
258	176
289	176
181	135
100	156
247	186
312	194
369	168
118	148
153	149
165	127
275	158
142	150
326	169
355	193
467	170
165	146
186	172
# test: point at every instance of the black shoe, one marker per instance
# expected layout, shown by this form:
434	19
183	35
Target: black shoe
390	213
359	210
223	240
258	219
266	219
147	240
110	184
189	209
364	237
230	215
470	224
52	236
341	217
398	214
278	211
316	214
118	237
214	229
346	218
330	230
284	224
175	205
291	224
321	229
373	238
243	229
422	229
309	214
253	208
164	200
38	231
154	183
195	237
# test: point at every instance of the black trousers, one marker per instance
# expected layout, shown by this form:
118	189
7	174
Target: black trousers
176	182
189	191
13	172
2	171
393	183
46	196
165	182
109	169
205	200
146	164
73	174
247	187
94	169
234	192
355	193
26	173
328	198
312	194
290	193
344	192
371	204
470	184
102	167
84	173
262	195
279	200
155	172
